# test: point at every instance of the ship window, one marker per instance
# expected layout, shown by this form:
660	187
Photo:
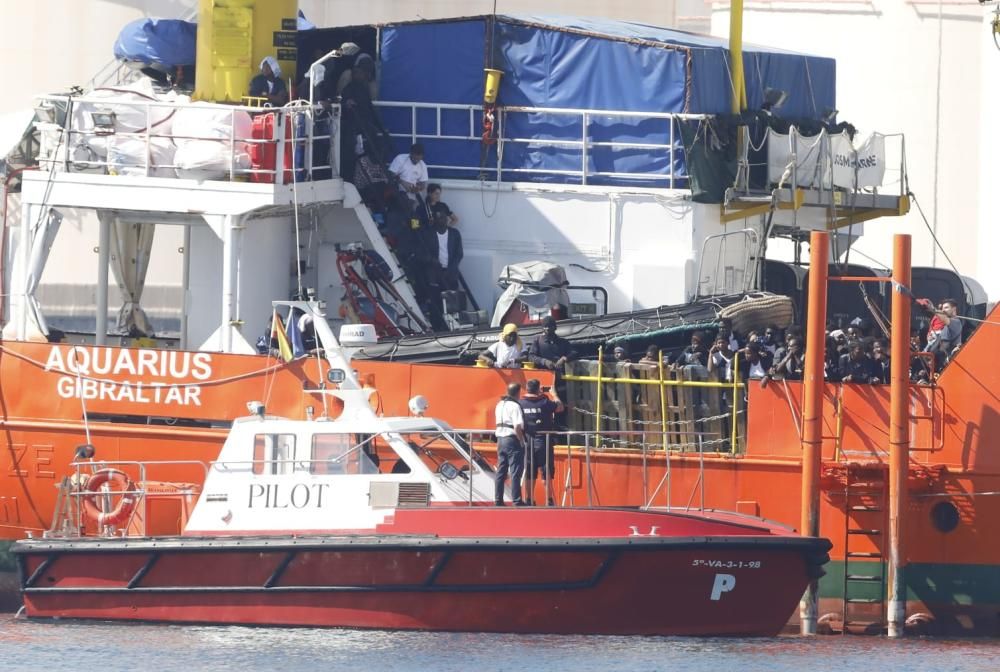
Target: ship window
273	453
435	448
343	454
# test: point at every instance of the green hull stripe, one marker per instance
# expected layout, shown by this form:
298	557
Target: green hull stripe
931	583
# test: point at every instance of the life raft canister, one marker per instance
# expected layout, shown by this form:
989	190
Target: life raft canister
120	485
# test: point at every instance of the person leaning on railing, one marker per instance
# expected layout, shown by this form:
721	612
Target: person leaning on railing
551	351
720	360
268	83
944	335
507	352
693	362
754	362
792	362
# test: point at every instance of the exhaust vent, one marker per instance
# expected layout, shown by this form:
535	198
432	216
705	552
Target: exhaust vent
392	494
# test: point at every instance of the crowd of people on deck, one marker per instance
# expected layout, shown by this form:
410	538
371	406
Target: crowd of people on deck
852	355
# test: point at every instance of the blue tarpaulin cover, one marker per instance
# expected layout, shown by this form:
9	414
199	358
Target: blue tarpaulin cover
581	63
168	42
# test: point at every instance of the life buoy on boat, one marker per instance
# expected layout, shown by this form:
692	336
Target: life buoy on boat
121	486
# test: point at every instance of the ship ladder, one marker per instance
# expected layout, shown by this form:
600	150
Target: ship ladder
865	514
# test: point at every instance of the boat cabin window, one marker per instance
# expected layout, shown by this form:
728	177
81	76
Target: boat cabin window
343	454
273	454
436	448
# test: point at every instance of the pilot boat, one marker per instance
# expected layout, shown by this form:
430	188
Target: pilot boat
388	522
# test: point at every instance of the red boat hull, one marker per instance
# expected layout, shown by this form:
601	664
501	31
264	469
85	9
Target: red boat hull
745	585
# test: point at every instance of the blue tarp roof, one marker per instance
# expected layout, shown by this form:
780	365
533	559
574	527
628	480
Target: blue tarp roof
560	61
580	63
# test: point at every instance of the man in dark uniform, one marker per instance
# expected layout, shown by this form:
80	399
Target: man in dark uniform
551	351
539	417
510	445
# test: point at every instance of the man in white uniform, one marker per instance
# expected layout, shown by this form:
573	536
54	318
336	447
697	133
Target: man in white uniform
411	171
510	445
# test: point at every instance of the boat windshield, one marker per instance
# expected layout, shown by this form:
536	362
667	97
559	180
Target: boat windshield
436	448
340	453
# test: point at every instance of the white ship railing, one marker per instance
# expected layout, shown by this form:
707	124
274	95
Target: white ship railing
73	141
808	161
583	146
581	457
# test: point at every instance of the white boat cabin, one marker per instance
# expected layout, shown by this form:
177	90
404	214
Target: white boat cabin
275	474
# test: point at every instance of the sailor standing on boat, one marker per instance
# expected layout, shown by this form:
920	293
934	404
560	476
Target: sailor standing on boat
510	445
539	419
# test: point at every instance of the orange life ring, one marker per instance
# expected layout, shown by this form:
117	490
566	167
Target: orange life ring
120	485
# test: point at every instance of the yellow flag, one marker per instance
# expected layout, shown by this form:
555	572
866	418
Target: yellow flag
278	333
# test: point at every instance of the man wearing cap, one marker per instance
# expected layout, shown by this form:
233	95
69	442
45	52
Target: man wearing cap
510	445
507	352
539	417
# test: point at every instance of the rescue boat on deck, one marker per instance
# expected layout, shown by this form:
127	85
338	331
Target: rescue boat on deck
378	522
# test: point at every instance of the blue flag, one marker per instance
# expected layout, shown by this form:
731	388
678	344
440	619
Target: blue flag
295	334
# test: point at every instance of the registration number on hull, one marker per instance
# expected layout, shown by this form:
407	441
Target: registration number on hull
726	564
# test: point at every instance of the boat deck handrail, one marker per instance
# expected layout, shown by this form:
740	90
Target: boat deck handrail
87	134
414	128
574	480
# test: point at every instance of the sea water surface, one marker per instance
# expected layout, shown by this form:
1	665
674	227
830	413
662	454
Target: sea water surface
107	647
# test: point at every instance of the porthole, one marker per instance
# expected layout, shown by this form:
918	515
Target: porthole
944	516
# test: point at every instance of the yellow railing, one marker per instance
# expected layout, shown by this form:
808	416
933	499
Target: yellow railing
662	383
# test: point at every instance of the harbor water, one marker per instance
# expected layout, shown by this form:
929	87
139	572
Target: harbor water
26	645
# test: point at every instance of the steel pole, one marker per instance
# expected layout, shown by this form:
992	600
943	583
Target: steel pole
103	259
899	431
812	410
738	102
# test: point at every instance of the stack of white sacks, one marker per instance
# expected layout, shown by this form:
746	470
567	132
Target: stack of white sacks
195	141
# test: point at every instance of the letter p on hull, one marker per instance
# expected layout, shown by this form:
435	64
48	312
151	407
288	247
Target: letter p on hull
723	584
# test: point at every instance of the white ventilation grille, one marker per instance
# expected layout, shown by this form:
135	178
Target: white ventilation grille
392	494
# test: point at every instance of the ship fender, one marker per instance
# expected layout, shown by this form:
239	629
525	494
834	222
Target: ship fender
121	486
920	624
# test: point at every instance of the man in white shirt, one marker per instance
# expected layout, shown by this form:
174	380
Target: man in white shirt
411	171
507	352
510	445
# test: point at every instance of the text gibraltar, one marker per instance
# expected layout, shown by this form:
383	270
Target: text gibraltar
88	366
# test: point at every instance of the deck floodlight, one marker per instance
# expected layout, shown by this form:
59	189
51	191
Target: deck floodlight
336	376
104	121
773	99
256	407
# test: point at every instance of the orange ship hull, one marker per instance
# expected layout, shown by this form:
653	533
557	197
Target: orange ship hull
953	561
